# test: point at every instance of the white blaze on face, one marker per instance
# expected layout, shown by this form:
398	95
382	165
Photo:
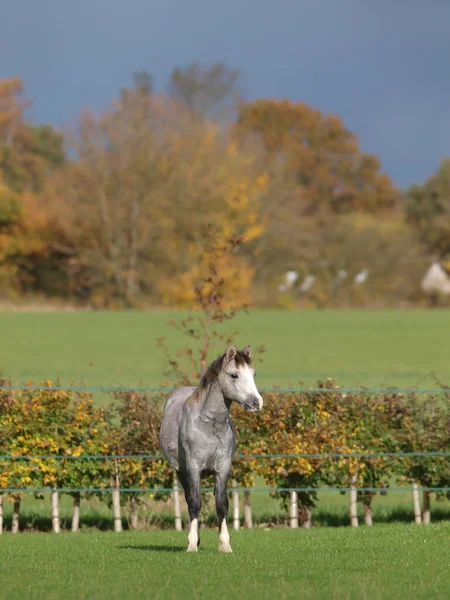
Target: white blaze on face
246	385
224	538
193	536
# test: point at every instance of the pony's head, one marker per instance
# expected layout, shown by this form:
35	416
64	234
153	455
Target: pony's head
236	378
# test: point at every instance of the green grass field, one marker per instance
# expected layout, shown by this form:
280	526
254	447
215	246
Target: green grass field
360	348
387	561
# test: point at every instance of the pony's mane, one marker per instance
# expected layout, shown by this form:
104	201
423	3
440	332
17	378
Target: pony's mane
212	372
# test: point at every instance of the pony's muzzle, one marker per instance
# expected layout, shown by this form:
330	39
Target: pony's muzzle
255	404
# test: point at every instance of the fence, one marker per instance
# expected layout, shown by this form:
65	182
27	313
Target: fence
293	491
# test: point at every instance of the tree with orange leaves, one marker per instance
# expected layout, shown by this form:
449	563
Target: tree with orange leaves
320	153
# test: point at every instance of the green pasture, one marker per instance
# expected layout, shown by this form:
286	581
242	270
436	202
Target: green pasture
359	347
387	561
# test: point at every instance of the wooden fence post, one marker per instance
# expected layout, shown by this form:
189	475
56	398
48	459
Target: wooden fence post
293	510
235	497
353	502
116	500
416	503
55	512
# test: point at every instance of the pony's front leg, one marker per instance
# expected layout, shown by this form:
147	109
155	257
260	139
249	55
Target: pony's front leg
221	496
194	502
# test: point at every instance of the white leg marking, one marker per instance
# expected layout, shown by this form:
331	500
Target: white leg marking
224	538
193	537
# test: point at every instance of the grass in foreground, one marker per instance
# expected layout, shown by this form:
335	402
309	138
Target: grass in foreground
360	348
387	561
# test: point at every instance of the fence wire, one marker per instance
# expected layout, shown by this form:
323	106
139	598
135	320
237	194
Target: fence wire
232	489
236	457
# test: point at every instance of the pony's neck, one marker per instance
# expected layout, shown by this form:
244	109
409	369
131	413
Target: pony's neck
215	407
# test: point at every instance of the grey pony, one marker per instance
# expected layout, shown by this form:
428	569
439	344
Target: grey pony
197	435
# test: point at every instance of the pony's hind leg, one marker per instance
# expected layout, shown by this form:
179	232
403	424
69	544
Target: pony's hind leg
194	502
221	496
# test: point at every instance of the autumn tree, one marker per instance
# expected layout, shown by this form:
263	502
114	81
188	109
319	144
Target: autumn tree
34	153
108	205
22	240
209	91
321	153
428	209
148	179
28	155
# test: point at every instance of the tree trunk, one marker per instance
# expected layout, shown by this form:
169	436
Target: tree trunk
368	512
235	496
15	516
306	517
293	510
115	484
416	503
353	502
55	512
176	505
1	514
426	515
248	510
76	513
133	512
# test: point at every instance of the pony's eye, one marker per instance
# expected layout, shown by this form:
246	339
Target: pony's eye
234	375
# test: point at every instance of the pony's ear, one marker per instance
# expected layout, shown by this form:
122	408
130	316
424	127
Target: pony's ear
231	353
248	351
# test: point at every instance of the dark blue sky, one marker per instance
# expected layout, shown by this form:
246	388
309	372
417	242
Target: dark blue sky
382	65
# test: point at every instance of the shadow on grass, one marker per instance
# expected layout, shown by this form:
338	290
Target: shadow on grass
153	548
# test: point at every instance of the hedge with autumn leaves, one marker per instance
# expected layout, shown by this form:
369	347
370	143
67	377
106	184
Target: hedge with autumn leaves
47	422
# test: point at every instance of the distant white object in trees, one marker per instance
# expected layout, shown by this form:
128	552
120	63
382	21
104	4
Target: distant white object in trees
307	283
342	274
436	280
290	277
361	277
